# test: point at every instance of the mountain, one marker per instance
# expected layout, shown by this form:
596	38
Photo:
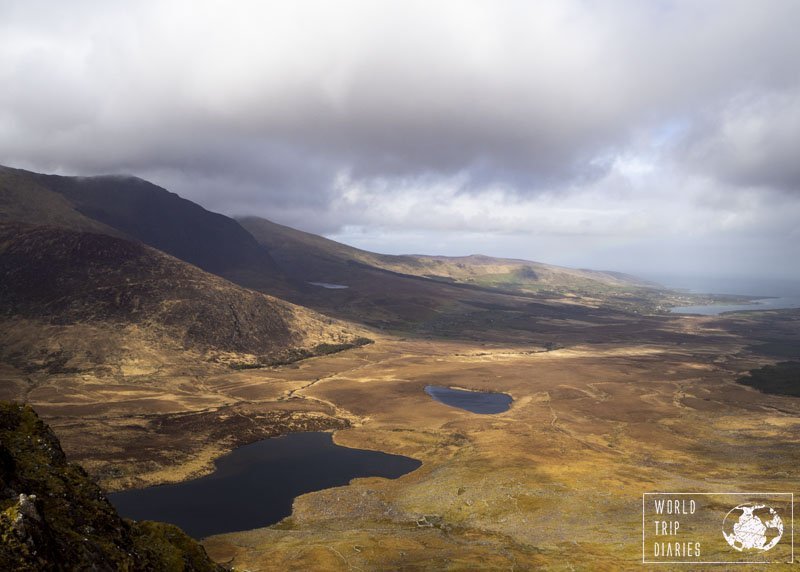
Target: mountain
136	209
24	199
514	274
54	277
412	293
54	517
332	261
373	295
432	294
258	253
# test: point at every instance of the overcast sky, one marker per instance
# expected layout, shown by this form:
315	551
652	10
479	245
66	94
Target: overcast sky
645	136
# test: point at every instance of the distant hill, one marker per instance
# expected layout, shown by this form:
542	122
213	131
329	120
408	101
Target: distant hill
332	261
434	293
374	295
522	275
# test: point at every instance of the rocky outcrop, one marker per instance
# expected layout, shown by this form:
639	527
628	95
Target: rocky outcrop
54	517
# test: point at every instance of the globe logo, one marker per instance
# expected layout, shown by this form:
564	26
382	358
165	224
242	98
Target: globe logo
752	527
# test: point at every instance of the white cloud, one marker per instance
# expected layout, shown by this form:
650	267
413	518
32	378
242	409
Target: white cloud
624	122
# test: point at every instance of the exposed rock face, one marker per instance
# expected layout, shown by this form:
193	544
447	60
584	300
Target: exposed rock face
54	517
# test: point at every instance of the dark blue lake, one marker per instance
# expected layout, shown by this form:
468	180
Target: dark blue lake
484	402
254	485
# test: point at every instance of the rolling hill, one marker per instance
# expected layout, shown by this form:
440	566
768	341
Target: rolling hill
334	261
427	294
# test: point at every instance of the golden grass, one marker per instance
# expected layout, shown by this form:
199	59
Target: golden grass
592	427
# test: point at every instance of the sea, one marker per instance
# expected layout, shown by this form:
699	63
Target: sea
769	293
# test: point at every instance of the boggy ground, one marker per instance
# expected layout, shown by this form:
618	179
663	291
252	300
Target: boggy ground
555	482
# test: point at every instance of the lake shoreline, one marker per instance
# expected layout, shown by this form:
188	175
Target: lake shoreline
255	486
471	400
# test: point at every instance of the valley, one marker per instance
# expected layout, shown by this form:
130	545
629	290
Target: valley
151	361
591	427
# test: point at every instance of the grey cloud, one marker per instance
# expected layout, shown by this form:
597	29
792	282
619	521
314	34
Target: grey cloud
517	94
260	108
752	142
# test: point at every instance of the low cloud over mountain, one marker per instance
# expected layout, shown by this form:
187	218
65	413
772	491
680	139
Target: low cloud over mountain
614	134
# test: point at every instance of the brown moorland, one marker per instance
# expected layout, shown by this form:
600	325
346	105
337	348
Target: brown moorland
612	398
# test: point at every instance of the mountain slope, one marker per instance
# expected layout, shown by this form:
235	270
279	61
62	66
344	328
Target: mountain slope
442	296
374	296
522	275
23	199
61	277
409	293
334	261
137	209
257	253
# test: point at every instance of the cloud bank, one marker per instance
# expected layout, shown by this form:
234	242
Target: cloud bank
621	134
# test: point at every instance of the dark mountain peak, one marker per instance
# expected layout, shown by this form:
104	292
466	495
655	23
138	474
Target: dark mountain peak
166	221
130	207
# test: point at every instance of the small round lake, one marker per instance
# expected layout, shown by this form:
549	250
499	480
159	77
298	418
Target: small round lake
484	402
254	485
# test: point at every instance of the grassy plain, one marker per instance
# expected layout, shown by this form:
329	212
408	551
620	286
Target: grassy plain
625	405
149	368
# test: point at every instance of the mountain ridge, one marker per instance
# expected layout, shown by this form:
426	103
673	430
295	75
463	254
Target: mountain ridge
515	274
133	208
119	203
409	293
